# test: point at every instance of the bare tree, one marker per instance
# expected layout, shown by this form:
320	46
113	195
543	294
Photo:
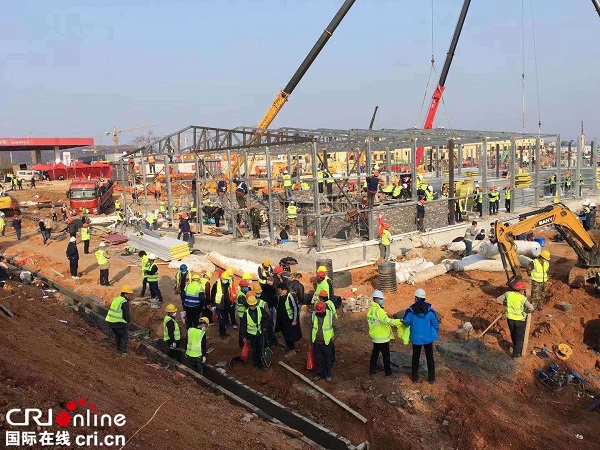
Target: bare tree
144	139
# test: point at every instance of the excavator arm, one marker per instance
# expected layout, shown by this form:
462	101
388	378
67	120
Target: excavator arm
565	221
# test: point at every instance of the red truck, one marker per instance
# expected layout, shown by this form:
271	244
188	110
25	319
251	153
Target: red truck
91	195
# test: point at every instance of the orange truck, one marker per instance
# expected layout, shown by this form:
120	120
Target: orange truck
94	196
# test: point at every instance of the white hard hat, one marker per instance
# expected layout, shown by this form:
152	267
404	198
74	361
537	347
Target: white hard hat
420	293
593	205
377	294
587	201
430	188
72	239
101	244
404	185
151	256
292	203
285	171
476	185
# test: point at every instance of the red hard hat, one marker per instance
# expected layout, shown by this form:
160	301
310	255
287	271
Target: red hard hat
320	307
321	274
323	293
386	226
520	286
243	283
278	269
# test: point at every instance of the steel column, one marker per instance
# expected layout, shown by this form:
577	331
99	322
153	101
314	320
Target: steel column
513	169
594	160
269	187
578	159
232	203
145	185
451	191
388	165
460	158
169	191
483	164
413	170
497	160
199	200
537	171
437	161
316	202
369	164
558	166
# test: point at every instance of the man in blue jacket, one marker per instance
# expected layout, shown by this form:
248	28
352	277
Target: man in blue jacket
424	326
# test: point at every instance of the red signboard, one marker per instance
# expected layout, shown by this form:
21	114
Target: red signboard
45	142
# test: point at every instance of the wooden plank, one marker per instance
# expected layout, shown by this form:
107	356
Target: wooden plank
527	331
490	326
285	429
57	272
324	392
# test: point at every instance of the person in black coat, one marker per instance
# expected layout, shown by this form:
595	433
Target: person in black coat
269	295
73	256
16	223
288	317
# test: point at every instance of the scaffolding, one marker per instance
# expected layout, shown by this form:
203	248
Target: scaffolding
315	147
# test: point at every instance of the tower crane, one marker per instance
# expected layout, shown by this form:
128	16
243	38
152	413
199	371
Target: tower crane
115	134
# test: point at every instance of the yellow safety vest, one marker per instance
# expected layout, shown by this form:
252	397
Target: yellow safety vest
385	238
322	286
380	325
115	312
152	278
540	271
320	176
287	180
396	191
144	265
251	326
101	257
192	294
194	345
219	293
292	211
515	306
117	205
305	186
507	194
162	206
176	333
327	326
85	234
288	307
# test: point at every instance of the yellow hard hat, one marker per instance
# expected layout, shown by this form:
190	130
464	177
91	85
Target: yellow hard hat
126	289
251	300
256	287
247	276
225	276
208	274
171	308
266	263
196	276
205	320
321	269
229	271
545	254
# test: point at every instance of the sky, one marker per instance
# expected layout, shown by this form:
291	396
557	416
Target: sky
72	68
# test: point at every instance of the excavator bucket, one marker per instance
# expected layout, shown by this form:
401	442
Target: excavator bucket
578	276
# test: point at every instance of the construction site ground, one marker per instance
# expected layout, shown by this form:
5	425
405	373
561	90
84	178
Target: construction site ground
481	399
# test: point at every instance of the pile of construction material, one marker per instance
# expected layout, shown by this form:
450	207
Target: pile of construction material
194	263
167	249
358	304
406	269
239	266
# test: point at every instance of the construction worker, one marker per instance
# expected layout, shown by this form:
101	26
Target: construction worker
323	284
151	273
539	277
254	325
196	345
385	243
222	189
117	205
255	221
241	304
220	295
424	326
151	164
102	258
264	270
470	234
590	220
421	215
287	185
429	194
372	188
256	290
151	223
517	308
322	338
329	181
184	228
458	210
120	221
193	211
85	238
380	332
181	279
320	179
507	196
193	302
17	225
568	182
2	224
162	206
205	286
478	197
73	257
144	266
292	214
493	198
397	191
388	190
288	317
171	331
241	190
118	318
584	213
323	296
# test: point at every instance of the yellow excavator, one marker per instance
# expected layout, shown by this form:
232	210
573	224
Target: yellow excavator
284	94
585	243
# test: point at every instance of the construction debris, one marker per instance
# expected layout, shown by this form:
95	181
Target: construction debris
358	304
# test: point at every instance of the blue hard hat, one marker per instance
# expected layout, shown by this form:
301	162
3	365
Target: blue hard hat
183	268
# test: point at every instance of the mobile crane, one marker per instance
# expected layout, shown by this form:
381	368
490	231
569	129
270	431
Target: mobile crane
285	93
584	243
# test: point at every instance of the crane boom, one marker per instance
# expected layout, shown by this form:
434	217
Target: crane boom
373	118
439	89
283	95
597	6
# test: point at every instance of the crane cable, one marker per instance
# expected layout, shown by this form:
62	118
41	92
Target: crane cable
523	62
537	83
431	71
